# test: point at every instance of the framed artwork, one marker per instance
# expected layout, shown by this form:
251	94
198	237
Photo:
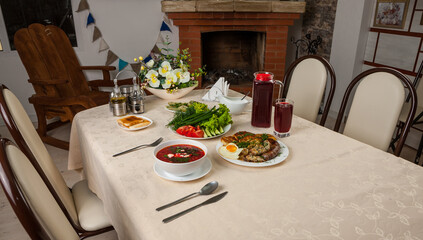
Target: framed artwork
390	13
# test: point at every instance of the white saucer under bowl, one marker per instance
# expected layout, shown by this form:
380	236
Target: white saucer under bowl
204	169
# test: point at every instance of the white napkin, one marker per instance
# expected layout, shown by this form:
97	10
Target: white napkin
219	88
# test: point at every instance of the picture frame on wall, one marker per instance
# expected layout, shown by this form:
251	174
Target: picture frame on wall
391	13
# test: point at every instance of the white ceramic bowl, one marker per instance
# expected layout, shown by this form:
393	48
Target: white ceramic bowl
235	104
180	169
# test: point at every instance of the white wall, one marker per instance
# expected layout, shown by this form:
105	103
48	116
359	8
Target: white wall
130	28
349	43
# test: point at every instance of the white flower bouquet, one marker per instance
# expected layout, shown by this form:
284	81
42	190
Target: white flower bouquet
170	72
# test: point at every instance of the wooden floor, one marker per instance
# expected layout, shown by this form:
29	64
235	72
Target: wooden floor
11	229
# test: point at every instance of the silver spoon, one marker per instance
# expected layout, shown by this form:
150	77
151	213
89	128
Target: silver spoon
206	190
245	95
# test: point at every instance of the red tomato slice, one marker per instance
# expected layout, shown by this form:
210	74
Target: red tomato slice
190	131
198	134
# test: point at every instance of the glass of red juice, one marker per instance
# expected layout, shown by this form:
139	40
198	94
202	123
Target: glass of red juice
283	117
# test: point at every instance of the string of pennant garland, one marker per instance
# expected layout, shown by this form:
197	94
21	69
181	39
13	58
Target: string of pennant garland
111	56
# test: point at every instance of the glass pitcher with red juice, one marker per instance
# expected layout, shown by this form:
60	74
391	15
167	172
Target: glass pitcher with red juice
262	98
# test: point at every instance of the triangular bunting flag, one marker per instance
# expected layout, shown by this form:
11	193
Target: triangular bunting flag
103	46
160	39
90	19
111	57
122	64
96	33
156	49
83	5
166	20
136	67
165	27
147	59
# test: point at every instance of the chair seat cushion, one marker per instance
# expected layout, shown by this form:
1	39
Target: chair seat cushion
90	208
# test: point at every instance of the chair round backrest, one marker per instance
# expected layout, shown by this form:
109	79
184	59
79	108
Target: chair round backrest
36	194
376	106
306	88
307	85
27	138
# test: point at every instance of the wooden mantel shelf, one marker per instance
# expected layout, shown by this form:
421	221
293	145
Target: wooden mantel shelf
233	6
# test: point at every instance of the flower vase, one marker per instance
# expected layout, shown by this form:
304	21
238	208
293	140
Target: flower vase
164	94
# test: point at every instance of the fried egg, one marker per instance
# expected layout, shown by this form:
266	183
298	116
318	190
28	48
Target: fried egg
230	151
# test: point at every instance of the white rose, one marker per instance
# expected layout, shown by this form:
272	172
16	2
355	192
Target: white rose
170	79
150	63
152	77
165	68
184	77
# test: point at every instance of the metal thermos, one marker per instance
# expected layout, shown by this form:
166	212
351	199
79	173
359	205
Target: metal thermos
126	91
119	109
136	104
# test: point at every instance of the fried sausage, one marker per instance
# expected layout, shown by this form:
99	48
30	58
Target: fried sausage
273	152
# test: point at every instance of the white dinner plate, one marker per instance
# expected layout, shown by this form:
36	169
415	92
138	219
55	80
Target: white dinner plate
135	129
283	154
169	110
204	169
225	130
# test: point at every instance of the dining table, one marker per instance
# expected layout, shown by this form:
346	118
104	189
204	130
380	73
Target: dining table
329	186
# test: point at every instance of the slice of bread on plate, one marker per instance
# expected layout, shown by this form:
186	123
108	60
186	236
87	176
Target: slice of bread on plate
133	122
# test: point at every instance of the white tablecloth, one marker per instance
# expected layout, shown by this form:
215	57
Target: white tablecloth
329	187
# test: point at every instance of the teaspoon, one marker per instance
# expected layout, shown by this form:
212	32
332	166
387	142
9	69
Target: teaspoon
206	190
245	95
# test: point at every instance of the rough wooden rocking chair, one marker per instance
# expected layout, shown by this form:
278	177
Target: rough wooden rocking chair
61	89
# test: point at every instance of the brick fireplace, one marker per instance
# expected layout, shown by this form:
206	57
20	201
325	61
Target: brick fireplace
270	20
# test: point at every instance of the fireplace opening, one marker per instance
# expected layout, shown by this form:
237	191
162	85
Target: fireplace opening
234	55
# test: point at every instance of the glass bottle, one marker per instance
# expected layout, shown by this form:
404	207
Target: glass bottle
117	101
262	99
136	99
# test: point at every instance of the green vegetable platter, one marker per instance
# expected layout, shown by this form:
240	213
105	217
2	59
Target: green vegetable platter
198	121
179	106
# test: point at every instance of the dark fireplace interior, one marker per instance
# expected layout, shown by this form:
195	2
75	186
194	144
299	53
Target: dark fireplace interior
235	55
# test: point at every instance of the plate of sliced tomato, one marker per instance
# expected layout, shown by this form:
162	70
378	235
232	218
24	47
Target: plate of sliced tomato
192	132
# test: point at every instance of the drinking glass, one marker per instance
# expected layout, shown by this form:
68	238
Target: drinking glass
283	117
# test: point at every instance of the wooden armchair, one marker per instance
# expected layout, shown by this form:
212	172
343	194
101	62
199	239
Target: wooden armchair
61	89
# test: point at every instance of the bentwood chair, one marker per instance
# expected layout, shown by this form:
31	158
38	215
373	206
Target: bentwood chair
83	209
417	121
305	82
30	198
376	106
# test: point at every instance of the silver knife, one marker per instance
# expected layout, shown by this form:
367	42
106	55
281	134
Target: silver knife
208	201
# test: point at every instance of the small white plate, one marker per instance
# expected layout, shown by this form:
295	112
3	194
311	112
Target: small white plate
204	169
135	129
225	130
169	110
283	154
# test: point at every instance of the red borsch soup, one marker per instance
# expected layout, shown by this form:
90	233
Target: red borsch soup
180	153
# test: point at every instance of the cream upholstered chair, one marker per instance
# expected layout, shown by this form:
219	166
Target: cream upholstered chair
376	106
30	198
417	121
83	208
305	83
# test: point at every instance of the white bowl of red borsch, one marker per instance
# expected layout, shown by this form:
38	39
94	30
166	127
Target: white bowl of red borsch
180	157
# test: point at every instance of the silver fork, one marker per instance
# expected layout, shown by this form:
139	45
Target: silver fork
155	143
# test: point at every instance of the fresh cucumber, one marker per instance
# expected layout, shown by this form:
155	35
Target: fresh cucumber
208	133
